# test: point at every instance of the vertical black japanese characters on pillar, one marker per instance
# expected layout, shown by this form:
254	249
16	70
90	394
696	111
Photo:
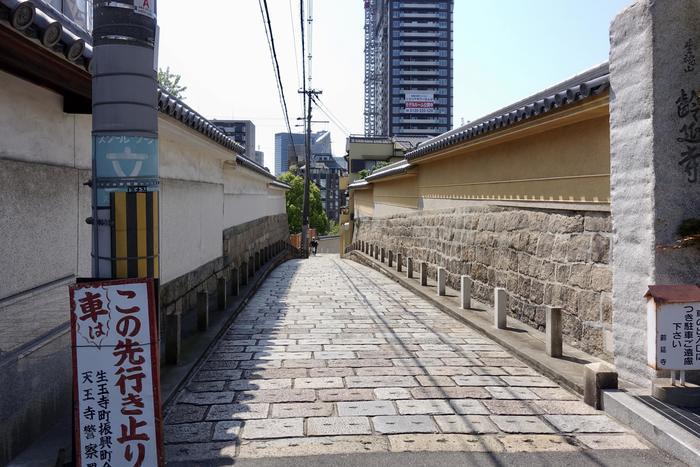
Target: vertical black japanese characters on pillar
125	140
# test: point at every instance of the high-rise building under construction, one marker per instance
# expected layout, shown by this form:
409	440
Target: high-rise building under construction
408	67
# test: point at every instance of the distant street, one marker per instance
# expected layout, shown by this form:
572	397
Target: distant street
333	358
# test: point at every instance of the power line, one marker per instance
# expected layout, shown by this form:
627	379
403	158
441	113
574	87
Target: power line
336	121
276	67
294	41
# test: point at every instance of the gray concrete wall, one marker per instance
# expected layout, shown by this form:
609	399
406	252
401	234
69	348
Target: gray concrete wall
541	257
652	192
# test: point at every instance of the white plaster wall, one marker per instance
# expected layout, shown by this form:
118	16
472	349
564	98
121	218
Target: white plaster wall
190	226
384	209
45	156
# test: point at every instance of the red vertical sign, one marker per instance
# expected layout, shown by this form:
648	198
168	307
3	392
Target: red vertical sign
116	389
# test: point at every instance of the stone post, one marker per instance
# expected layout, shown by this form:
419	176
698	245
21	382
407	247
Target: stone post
553	337
173	338
257	261
399	262
441	281
383	251
391	258
466	292
655	163
221	295
251	266
371	250
235	282
202	311
244	273
409	267
500	317
423	273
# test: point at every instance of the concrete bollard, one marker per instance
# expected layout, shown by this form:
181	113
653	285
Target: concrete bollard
423	273
399	262
441	281
466	295
221	295
235	282
173	338
553	332
202	311
391	258
596	378
409	267
500	316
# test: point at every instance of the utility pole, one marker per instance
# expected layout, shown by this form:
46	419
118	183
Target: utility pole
125	180
308	95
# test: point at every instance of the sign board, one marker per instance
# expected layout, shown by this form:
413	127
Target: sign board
145	7
115	374
125	163
673	327
420	102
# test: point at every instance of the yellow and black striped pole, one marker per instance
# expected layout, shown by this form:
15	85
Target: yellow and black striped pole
135	235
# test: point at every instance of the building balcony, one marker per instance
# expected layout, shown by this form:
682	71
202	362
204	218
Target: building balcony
418	72
411	53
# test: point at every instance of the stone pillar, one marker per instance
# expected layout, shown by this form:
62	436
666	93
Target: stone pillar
500	316
399	262
244	273
383	252
553	339
173	338
235	284
371	250
409	267
391	258
251	266
441	281
221	295
257	261
423	273
655	163
466	292
202	311
376	252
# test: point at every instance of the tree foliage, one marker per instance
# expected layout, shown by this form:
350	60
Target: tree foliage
295	201
364	173
170	82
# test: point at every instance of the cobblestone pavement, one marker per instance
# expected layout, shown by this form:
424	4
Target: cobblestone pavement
331	357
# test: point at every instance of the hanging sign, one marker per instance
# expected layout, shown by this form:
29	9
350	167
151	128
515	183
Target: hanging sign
420	102
673	327
115	374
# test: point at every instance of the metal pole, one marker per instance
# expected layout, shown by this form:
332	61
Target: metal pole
125	137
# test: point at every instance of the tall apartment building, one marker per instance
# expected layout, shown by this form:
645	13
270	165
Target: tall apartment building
242	132
284	150
408	67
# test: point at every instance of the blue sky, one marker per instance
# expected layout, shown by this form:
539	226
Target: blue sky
504	50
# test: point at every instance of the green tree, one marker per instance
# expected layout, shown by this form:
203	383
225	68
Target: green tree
295	200
170	82
364	173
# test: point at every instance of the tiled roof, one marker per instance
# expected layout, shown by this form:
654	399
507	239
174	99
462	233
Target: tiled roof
74	37
593	82
389	170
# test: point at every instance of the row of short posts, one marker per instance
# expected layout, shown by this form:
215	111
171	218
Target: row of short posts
228	285
597	376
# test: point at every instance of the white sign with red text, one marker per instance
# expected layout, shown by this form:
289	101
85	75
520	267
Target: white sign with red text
420	102
115	374
145	7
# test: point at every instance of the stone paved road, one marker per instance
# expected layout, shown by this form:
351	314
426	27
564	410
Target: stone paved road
331	357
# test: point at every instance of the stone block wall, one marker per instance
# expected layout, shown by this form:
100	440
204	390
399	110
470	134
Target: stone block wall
541	257
239	244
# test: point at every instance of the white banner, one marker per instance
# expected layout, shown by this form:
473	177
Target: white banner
145	7
419	102
115	371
